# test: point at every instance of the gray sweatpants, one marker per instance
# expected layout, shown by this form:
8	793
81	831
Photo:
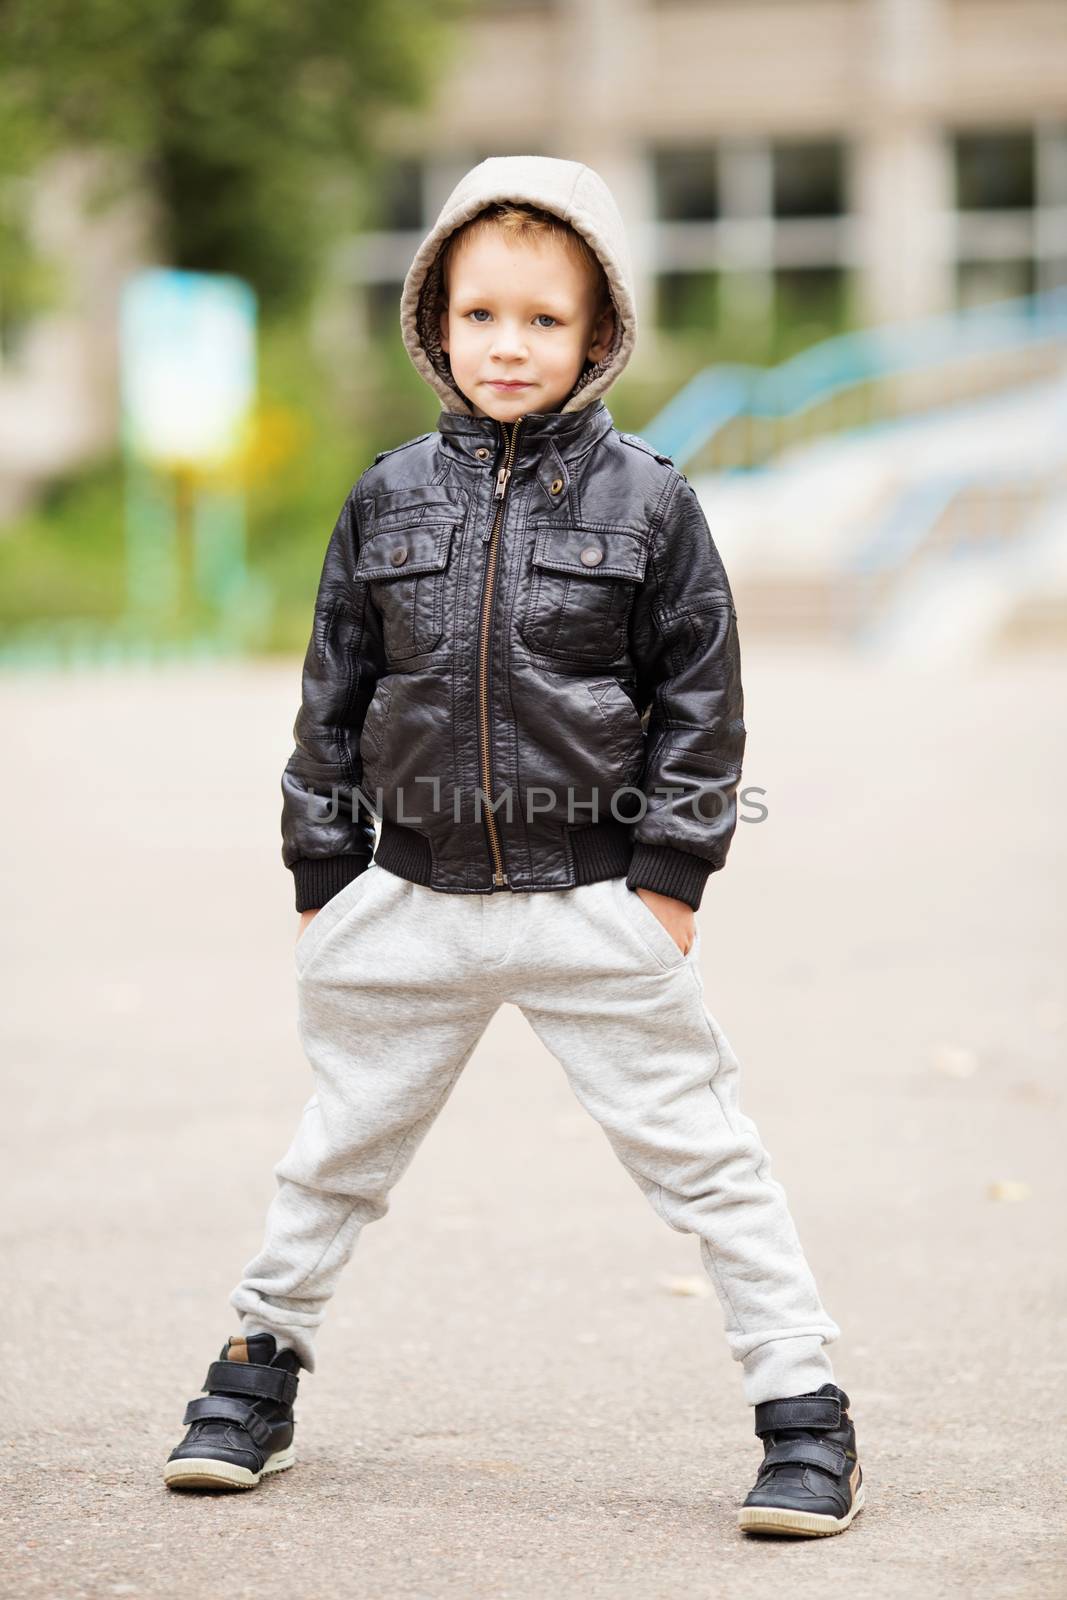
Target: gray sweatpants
396	985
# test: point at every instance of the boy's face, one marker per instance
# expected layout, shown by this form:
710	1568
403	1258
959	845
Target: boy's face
521	320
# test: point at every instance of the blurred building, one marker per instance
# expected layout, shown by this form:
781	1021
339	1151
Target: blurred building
837	162
812	164
59	375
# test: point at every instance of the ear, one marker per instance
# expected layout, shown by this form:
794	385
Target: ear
443	324
602	335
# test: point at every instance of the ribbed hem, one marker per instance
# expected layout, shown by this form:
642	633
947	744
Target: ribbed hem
318	879
405	852
600	850
668	871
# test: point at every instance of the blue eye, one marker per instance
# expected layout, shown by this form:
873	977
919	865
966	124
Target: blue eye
479	313
545	320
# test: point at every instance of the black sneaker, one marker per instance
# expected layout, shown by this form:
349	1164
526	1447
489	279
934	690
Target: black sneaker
244	1427
810	1481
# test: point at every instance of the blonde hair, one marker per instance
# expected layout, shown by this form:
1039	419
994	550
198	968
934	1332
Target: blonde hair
522	223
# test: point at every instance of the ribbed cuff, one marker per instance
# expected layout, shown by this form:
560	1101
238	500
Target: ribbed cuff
668	871
318	879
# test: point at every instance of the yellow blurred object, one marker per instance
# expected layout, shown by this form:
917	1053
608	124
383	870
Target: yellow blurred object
272	436
1009	1189
698	1288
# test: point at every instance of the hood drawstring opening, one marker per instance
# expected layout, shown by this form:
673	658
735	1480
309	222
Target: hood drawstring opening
567	189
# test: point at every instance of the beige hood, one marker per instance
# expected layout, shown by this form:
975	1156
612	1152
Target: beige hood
569	190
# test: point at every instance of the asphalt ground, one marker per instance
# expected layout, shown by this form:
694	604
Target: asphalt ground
522	1390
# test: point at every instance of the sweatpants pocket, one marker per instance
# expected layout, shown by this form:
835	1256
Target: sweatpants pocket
650	929
331	915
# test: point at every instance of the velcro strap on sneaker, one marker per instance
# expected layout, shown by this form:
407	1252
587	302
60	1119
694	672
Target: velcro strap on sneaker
245	1377
223	1409
813	1452
800	1411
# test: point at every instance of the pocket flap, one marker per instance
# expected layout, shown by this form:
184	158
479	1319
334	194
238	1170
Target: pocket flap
404	552
606	553
417	502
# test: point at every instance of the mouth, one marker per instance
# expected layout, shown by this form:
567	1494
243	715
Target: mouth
505	387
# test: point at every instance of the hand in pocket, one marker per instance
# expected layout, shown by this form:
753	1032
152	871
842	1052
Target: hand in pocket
677	917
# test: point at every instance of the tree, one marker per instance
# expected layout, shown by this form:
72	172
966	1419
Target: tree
246	119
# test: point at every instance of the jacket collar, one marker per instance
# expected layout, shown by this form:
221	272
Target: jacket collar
544	436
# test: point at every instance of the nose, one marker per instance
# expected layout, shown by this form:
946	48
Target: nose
509	343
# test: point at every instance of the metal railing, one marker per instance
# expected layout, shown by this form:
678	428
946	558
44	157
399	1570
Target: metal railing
734	417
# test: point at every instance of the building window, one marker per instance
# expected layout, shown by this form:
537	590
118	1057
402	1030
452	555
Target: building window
983	282
687	301
382	301
810	304
687	184
995	171
397	196
809	179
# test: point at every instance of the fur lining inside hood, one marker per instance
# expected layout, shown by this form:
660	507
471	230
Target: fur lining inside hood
571	191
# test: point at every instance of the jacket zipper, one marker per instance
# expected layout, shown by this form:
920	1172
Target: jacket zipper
503	478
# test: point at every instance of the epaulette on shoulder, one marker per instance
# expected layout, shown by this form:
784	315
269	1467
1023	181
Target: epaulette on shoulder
638	443
405	446
383	454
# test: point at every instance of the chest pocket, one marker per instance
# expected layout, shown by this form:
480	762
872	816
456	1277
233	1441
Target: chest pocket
582	589
404	557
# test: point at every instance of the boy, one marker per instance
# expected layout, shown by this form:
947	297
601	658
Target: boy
525	660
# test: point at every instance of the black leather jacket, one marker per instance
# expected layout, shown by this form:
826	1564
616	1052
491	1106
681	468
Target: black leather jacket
525	660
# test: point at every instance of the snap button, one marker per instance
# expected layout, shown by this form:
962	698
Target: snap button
556	486
591	556
399	555
481	452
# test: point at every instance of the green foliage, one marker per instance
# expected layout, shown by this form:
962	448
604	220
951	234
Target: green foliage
249	120
291	511
66	558
807	306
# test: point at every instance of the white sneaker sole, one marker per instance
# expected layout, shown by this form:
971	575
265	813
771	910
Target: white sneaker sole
779	1519
201	1472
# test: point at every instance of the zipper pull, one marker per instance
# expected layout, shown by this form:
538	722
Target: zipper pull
502	483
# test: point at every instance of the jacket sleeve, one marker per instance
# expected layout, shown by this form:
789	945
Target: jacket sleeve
327	829
684	633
